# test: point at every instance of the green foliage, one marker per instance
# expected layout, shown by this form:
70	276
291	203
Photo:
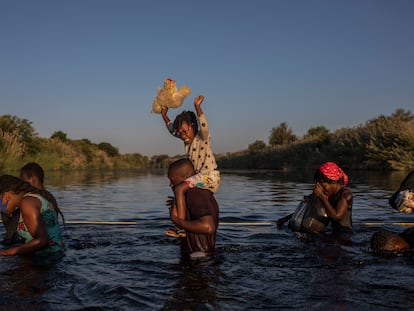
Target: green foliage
160	161
257	146
281	135
63	137
132	160
390	140
385	143
20	128
318	131
109	149
19	145
11	150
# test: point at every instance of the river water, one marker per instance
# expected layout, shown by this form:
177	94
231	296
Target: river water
257	267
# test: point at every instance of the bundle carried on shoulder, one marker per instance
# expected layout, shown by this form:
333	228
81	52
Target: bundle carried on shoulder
310	216
403	199
169	96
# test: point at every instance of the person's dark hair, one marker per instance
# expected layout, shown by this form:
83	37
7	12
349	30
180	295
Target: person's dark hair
384	241
186	116
33	169
320	177
16	185
180	163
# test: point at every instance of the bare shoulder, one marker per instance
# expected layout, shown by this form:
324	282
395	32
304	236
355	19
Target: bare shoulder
347	193
30	202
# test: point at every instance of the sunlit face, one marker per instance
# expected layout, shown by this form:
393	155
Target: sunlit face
186	132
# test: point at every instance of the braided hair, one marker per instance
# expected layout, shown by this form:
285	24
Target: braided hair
188	117
16	185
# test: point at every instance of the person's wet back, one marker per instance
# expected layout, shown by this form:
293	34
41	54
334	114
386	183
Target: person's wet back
38	222
385	241
34	174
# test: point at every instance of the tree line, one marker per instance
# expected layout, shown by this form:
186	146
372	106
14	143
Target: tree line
20	144
383	143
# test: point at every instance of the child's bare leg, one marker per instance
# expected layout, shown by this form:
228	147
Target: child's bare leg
179	192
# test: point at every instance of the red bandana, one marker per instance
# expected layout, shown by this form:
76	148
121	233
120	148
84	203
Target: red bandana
333	172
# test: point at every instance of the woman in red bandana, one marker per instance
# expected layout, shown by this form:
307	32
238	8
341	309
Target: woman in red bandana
330	187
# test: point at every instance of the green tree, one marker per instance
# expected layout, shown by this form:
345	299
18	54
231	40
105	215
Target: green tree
317	131
257	146
63	137
390	140
86	141
281	135
402	115
21	128
160	161
109	149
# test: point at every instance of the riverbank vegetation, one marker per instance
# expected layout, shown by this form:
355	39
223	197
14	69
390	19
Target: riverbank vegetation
383	143
20	144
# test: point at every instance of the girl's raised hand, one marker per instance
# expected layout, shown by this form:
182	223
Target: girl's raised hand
198	100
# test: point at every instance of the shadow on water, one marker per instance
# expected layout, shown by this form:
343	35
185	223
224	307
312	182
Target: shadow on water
257	266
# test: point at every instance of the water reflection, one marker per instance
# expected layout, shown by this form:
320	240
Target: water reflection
196	288
113	267
93	177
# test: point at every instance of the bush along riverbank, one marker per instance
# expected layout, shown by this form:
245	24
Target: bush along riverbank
383	143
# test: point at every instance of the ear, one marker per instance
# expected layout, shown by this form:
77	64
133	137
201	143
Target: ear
4	201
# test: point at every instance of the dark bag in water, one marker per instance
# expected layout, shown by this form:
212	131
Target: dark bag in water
309	216
397	199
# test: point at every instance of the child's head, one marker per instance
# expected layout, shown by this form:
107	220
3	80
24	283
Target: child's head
386	241
180	170
185	126
33	173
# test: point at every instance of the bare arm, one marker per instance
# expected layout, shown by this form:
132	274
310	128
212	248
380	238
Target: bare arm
179	192
167	120
342	206
203	130
30	210
198	100
164	111
204	225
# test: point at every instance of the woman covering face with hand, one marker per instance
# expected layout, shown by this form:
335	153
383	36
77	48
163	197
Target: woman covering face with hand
330	187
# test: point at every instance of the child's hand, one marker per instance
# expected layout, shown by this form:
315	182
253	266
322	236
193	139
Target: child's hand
170	201
198	100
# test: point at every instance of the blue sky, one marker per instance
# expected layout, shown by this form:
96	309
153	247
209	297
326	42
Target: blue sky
90	68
